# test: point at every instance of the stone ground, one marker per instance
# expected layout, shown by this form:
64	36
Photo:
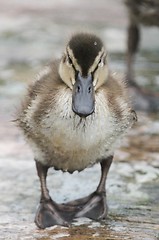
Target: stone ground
31	32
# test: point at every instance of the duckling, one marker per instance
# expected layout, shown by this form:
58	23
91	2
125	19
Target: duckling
144	12
72	117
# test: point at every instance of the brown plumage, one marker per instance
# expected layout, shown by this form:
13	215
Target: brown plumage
144	12
140	12
73	117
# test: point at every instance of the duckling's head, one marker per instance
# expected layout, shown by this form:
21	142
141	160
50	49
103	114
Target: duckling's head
83	69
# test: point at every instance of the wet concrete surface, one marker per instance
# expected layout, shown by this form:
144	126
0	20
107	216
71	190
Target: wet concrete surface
132	189
30	34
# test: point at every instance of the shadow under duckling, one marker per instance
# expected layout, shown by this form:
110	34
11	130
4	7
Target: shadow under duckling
73	117
140	12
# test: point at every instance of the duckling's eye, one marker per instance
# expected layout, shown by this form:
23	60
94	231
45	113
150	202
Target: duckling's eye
100	63
69	60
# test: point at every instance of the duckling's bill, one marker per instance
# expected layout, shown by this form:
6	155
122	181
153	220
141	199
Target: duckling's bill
83	97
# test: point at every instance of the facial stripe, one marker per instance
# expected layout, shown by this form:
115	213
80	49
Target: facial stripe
85	48
75	65
95	64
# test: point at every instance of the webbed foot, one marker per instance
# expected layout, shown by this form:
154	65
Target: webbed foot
48	215
94	206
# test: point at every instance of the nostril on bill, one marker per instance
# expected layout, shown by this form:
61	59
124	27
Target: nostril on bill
78	89
90	89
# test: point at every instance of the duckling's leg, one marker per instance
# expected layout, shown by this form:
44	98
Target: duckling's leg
132	46
94	206
48	213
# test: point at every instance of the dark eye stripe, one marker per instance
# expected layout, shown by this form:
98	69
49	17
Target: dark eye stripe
99	62
69	59
71	62
95	69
